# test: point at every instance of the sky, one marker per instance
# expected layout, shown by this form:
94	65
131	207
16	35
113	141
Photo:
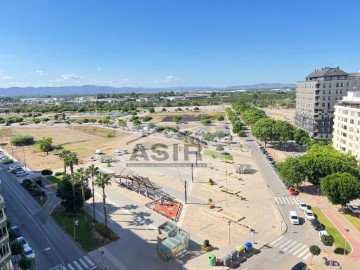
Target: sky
168	43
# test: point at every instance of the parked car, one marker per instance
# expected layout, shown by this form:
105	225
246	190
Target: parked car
91	159
287	185
16	230
293	191
28	253
353	209
21	173
299	266
302	205
317	225
14	167
19	169
309	215
22	241
7	160
321	233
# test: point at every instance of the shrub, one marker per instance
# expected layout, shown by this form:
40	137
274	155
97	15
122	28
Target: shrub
219	148
46	172
241	133
206	243
58	174
327	240
22	139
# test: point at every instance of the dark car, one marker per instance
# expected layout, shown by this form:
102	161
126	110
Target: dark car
16	231
317	225
299	266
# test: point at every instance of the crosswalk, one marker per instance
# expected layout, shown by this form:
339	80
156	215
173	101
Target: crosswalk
84	263
292	247
286	200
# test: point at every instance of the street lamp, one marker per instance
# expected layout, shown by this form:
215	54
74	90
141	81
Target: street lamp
229	222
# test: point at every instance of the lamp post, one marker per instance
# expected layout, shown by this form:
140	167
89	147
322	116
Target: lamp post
229	222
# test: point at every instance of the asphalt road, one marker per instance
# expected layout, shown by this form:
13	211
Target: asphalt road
53	248
293	246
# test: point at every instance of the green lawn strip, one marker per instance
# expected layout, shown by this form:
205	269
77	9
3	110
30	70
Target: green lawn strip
53	179
353	220
333	231
83	231
218	155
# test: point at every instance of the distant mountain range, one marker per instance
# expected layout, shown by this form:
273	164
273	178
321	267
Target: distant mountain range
95	89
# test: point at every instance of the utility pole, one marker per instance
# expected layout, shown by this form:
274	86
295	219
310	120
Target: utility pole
192	172
185	192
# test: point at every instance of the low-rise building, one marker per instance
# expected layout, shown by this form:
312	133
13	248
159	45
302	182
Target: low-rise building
147	99
346	134
5	252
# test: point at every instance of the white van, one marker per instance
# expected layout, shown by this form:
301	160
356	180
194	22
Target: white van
118	152
98	151
294	219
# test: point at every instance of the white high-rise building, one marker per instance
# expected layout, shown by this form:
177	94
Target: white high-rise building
346	134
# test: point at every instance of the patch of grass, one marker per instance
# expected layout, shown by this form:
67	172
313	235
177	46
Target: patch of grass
332	230
54	179
353	220
84	235
218	155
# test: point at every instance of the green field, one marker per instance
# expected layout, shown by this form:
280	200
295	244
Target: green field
353	220
218	155
332	230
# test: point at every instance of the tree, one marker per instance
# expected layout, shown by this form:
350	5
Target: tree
71	160
25	263
213	94
340	188
252	115
176	118
327	240
102	180
137	122
147	118
292	170
315	251
284	131
92	172
220	117
263	129
16	249
63	154
301	137
323	160
45	144
82	177
151	110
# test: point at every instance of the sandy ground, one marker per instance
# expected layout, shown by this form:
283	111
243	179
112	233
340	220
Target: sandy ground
281	114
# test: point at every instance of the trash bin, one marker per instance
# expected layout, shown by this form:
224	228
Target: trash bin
212	260
227	260
233	254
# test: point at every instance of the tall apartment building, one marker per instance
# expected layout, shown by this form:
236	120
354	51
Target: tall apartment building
5	252
316	98
346	135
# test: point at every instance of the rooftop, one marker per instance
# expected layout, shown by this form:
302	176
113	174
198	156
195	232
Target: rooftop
326	72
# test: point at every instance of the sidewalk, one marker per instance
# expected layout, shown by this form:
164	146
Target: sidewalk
341	223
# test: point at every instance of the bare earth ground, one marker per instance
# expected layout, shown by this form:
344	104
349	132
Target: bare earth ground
281	114
70	138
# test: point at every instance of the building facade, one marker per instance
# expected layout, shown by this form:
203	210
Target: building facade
346	135
316	98
5	252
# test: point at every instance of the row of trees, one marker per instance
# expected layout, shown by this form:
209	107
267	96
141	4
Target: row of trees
74	189
235	121
337	173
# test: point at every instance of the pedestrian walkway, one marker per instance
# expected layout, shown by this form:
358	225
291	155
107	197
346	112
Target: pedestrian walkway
292	247
84	263
286	200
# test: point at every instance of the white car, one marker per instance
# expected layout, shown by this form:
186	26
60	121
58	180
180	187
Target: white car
28	252
21	173
92	159
354	208
22	241
309	214
294	219
321	233
302	205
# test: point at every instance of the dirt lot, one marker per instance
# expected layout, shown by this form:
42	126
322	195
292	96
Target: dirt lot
72	139
281	114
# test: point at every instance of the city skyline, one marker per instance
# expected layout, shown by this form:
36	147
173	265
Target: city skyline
169	44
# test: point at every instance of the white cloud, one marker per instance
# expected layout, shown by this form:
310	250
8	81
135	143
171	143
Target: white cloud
6	78
68	77
40	72
168	79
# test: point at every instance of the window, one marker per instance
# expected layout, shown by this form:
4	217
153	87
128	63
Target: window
341	84
337	84
324	85
329	85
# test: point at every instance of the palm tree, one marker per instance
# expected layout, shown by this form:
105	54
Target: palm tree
72	159
102	180
63	155
83	179
92	172
74	179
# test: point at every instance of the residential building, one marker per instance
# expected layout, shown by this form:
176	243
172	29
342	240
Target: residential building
5	252
316	98
346	135
147	99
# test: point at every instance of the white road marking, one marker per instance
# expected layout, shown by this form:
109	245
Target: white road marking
307	256
285	244
88	260
299	250
303	253
83	263
294	247
70	266
290	246
77	265
273	242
